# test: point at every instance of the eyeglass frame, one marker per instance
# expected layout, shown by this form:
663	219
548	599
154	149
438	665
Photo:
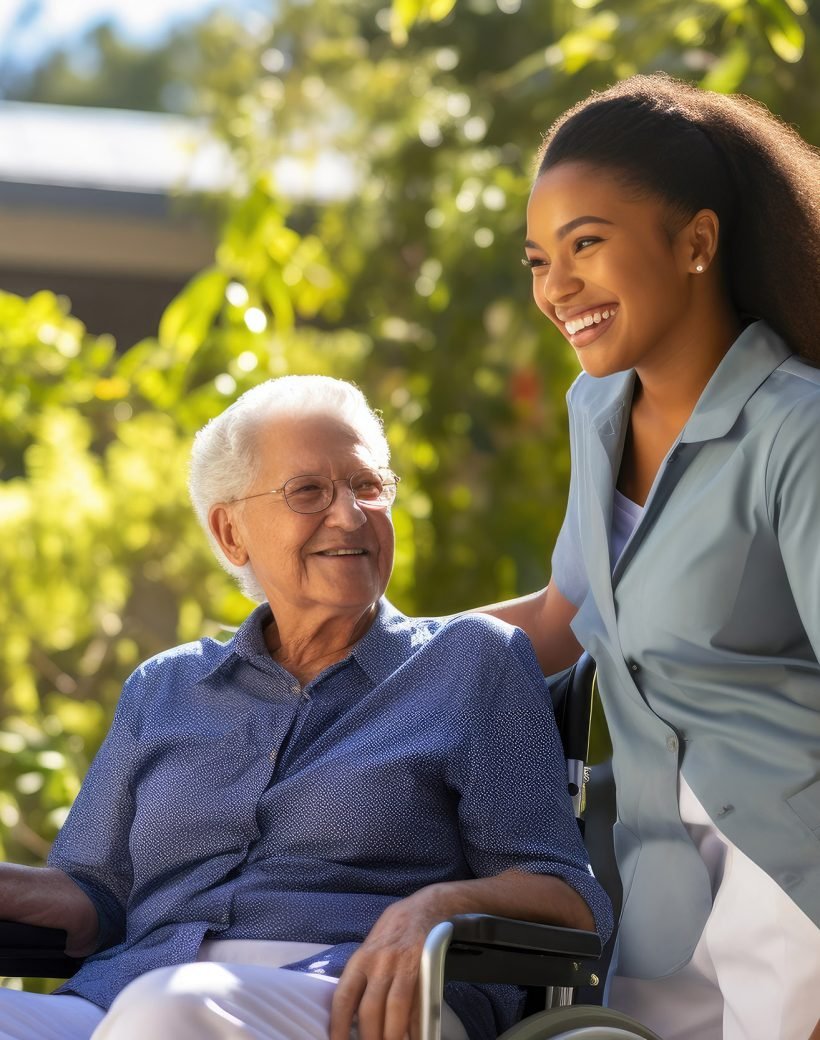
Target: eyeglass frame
394	483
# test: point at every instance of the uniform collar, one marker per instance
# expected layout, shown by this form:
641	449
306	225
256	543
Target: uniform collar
748	363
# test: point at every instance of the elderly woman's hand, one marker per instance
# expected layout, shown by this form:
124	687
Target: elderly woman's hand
380	980
379	983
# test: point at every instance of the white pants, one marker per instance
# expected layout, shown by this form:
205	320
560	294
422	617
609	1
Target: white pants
755	973
241	995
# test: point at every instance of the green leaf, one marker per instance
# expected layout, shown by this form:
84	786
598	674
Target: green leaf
726	75
783	30
405	13
187	320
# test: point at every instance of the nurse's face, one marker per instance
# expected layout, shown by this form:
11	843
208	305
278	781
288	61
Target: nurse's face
607	270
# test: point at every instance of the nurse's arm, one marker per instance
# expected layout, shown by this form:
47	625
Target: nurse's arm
545	616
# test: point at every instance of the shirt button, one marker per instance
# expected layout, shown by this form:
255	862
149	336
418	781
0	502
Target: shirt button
671	743
634	666
672	458
272	757
296	688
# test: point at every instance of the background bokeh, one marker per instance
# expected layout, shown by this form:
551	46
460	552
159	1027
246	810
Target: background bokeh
404	277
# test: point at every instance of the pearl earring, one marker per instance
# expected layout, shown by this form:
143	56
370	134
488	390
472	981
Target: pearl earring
699	268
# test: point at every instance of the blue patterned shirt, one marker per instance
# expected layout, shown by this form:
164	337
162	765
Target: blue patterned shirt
229	801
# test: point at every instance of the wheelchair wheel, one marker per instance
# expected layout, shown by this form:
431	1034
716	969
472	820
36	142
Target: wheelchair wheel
579	1023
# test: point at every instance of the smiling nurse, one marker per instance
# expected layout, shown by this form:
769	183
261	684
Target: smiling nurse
674	239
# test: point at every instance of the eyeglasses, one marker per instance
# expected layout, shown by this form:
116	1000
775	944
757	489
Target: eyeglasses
312	492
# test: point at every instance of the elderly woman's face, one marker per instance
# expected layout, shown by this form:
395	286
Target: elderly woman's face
304	560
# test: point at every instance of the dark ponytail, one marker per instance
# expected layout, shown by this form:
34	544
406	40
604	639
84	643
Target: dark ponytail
699	150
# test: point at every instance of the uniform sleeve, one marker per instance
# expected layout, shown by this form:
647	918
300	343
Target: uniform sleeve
92	846
514	809
568	571
793	500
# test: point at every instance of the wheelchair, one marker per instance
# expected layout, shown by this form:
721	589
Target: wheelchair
555	964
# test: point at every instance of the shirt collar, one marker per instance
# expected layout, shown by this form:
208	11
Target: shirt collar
389	641
247	642
748	363
382	649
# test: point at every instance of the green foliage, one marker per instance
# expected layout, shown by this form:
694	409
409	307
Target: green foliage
100	559
409	284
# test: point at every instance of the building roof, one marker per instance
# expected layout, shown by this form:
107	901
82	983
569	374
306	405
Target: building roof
113	149
95	204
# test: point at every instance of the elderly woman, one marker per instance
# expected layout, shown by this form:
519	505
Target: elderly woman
274	823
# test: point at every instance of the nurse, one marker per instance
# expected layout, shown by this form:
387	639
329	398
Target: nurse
673	236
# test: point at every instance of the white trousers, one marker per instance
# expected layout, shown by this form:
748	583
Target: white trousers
241	996
755	973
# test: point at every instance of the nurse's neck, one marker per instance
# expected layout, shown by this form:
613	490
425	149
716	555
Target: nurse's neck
668	386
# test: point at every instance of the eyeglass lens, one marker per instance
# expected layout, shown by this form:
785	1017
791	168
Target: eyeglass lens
312	493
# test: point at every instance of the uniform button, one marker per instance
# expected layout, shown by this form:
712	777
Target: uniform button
634	666
671	743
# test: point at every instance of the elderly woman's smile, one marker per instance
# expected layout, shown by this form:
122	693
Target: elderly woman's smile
341	552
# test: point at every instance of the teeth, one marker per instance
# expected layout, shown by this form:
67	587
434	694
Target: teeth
584	322
343	552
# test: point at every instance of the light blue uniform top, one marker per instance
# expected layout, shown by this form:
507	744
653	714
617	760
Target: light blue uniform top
706	635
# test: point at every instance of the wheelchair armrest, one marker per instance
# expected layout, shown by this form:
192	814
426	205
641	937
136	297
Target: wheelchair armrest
31	951
486	930
484	948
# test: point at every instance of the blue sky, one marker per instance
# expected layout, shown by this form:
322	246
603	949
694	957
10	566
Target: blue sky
28	28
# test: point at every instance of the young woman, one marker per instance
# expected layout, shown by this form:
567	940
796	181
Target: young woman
674	239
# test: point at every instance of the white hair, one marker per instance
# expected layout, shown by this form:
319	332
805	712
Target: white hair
225	460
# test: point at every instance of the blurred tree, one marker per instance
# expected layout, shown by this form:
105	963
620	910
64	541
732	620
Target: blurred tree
409	283
104	69
441	128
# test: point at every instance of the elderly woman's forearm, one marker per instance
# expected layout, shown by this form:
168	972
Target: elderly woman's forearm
47	897
528	897
379	981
